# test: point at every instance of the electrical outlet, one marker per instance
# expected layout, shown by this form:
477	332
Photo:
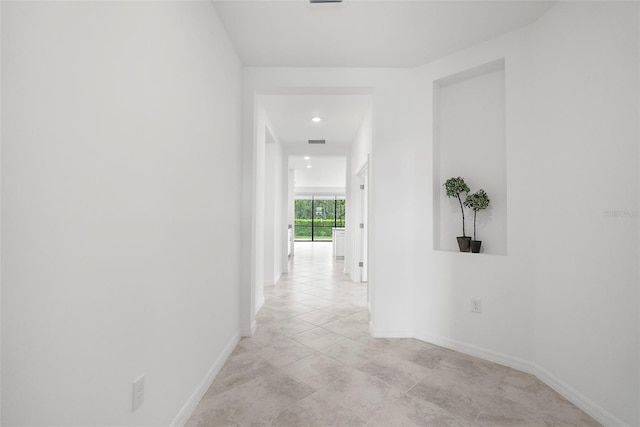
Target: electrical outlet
138	392
476	305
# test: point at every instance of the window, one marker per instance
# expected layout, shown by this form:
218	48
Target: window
316	216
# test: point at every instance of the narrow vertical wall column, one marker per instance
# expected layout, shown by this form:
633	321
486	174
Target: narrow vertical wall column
268	184
638	168
247	293
0	214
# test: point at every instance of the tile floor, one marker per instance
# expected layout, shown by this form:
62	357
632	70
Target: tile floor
312	362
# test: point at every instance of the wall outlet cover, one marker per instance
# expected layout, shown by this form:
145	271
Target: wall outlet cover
476	305
138	392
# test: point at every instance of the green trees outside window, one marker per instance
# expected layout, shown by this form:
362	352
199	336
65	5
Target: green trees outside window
314	218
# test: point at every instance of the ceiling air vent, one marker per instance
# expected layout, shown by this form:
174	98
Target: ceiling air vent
325	1
317	141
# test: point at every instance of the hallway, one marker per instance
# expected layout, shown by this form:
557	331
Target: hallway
312	362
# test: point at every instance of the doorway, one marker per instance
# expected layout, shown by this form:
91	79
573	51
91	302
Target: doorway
312	136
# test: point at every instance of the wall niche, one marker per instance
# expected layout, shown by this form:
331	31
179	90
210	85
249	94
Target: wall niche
469	141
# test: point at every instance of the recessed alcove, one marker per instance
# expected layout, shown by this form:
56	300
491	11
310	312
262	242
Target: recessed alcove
469	141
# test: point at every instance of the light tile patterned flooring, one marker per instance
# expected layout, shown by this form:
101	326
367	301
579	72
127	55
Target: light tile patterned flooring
312	362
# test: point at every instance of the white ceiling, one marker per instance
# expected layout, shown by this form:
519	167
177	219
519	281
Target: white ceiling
291	116
325	171
366	33
355	33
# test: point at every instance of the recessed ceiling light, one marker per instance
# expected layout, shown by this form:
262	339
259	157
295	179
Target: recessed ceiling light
316	119
308	166
307	157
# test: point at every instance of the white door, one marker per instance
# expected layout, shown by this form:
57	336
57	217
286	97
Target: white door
363	223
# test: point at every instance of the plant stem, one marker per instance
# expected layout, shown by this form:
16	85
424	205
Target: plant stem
462	210
475	212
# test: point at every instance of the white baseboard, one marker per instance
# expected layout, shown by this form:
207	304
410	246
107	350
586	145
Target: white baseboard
191	404
482	353
249	332
587	405
596	411
274	281
259	304
377	333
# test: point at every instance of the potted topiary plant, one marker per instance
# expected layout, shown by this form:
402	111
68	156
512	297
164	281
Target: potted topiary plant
476	202
454	187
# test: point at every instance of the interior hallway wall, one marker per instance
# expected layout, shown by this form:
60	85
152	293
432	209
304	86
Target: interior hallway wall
1	133
280	212
269	190
265	170
447	280
565	298
587	113
273	202
120	146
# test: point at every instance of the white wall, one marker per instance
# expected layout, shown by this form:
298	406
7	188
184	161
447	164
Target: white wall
447	281
258	135
563	303
280	212
269	194
323	191
324	171
586	227
290	209
121	125
1	133
396	190
274	225
362	145
269	209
